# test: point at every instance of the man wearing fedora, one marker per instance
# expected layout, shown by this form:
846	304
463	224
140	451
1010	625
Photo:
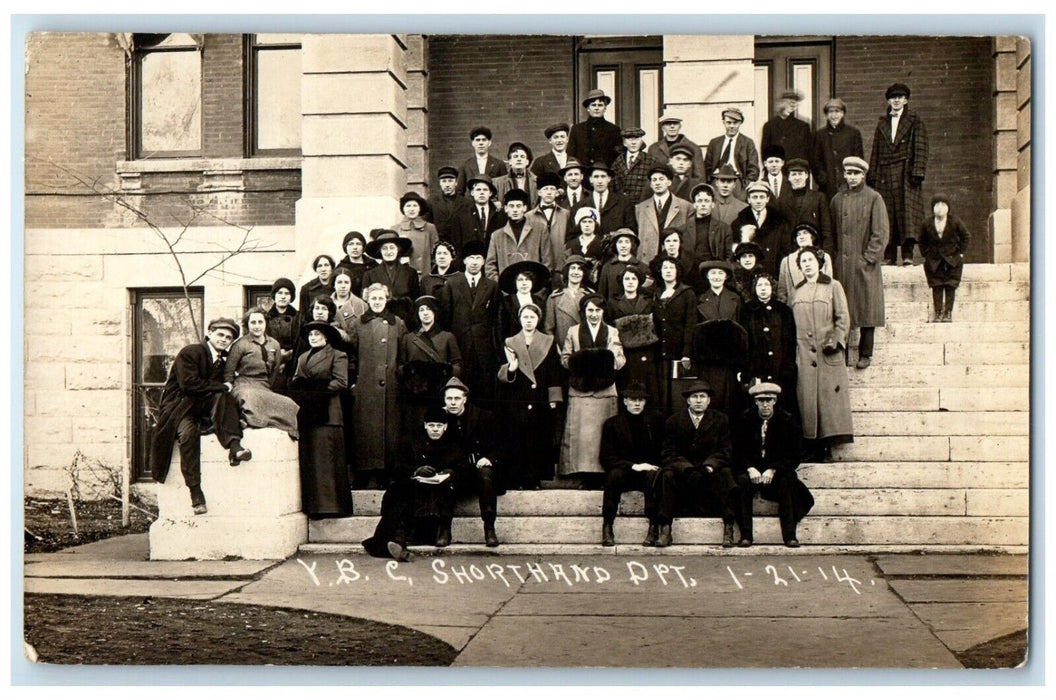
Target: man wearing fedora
787	130
630	169
477	434
897	165
481	218
861	235
698	447
519	177
573	189
683	182
734	149
557	157
833	142
481	162
630	455
196	400
660	212
767	446
517	240
771	229
446	205
615	210
672	137
728	204
595	139
469	308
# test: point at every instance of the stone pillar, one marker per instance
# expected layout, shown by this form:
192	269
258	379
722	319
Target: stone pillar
1004	155
1021	201
703	75
418	114
254	508
354	138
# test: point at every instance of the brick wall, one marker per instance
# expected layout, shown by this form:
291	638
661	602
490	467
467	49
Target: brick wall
951	79
76	122
516	85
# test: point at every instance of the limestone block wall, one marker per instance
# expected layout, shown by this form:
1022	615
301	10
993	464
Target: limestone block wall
78	340
1021	202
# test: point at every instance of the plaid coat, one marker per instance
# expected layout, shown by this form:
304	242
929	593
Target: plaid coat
633	183
896	171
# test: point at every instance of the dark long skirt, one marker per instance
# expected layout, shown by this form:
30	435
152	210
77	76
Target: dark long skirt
325	488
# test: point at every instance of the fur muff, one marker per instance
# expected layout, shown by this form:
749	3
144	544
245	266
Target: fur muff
593	369
637	331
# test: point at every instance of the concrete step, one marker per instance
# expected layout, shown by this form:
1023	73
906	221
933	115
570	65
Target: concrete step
968	291
916	423
924	531
828	501
978	377
960	353
960	331
973	272
916	475
1008	448
989	311
992	399
880	399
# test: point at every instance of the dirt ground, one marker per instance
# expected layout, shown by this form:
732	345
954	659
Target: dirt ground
1004	652
48	527
67	629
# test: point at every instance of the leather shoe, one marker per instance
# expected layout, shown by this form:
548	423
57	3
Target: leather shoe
792	542
727	535
864	362
745	542
443	536
608	539
664	539
200	509
398	552
236	457
651	535
490	538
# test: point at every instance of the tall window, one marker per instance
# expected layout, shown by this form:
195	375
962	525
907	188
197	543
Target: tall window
167	94
273	99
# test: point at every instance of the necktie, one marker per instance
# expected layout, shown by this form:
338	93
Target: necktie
725	157
630	160
472	282
762	441
483	217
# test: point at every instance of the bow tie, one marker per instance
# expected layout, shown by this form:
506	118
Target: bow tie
544	207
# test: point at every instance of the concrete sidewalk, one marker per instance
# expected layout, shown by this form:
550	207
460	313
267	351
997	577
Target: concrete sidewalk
699	611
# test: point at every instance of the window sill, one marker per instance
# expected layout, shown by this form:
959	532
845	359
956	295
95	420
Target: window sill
216	173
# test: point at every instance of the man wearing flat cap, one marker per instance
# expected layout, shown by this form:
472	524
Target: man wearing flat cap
630	169
446	205
897	165
481	162
787	130
698	447
860	219
557	157
672	136
519	177
728	204
595	139
195	400
766	449
660	212
683	182
771	229
518	240
734	149
833	142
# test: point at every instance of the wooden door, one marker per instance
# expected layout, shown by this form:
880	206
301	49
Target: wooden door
628	69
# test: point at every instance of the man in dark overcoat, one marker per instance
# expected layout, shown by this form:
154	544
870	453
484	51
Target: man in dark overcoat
897	165
557	157
698	447
767	446
469	308
616	210
596	139
446	205
707	236
771	229
481	218
481	162
196	400
630	455
477	434
833	142
802	205
787	130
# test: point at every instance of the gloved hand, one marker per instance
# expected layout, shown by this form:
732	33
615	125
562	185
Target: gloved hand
425	471
830	348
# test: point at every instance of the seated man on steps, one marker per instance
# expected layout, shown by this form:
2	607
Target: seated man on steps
196	401
766	452
630	456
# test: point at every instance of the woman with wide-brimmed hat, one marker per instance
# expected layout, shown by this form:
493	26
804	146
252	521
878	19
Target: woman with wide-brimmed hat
400	278
446	264
320	377
530	390
748	257
633	314
624	245
593	354
417	230
521	283
376	343
788	274
253	366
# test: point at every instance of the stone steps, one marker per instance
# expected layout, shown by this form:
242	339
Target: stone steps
969	291
966	448
973	272
961	400
978	377
921	311
821	530
925	423
952	353
961	331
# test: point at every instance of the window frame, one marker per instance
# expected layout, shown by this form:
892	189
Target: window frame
135	102
249	93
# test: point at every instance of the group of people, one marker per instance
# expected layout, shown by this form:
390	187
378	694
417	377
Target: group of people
552	290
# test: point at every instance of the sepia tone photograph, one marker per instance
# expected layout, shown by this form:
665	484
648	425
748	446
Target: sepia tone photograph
686	351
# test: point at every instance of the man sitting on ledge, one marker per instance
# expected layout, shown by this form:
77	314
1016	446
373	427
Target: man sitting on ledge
196	401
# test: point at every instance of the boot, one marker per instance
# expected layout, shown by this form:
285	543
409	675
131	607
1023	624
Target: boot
490	538
650	537
788	534
443	534
608	539
664	539
238	454
198	500
727	534
398	552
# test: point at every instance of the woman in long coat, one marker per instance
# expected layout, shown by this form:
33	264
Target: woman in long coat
720	344
530	389
253	364
822	322
632	314
323	284
320	377
771	332
943	241
832	143
376	414
400	278
676	316
788	273
430	357
421	233
348	306
592	362
671	249
562	307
